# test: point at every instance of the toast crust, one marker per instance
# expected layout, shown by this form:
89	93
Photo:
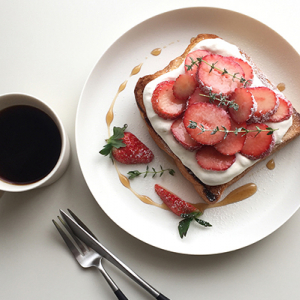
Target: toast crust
210	194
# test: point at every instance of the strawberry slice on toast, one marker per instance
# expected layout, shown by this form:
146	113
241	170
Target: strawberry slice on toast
210	159
190	67
197	96
165	104
258	145
284	111
234	142
184	86
246	68
267	103
207	116
219	74
180	134
247	106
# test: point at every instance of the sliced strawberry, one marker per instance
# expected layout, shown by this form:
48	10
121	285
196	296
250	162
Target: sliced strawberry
233	143
267	104
192	56
173	202
257	145
165	104
247	105
197	97
126	148
210	159
210	117
184	86
181	135
218	79
284	111
246	68
181	208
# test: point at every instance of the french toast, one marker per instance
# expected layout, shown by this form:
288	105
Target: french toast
210	193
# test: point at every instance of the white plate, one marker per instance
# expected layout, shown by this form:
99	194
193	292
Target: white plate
234	226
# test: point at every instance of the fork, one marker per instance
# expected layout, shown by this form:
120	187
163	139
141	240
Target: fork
87	257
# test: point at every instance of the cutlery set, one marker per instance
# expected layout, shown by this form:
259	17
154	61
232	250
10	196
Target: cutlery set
89	252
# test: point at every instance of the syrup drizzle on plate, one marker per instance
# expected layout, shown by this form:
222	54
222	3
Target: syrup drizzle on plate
109	118
125	181
156	51
239	194
281	86
271	164
236	195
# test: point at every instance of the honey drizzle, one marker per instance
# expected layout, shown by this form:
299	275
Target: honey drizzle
109	118
110	113
281	86
235	196
156	51
145	199
271	164
136	69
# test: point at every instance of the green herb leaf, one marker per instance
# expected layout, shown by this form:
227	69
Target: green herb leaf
214	131
222	99
133	174
192	125
183	226
171	172
115	141
224	72
203	223
106	150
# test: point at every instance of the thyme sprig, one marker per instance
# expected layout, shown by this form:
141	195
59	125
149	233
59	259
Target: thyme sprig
194	125
223	101
136	173
213	67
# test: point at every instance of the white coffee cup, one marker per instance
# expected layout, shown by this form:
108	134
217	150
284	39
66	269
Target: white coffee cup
11	101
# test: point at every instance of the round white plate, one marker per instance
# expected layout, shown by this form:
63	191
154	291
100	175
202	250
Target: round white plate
234	226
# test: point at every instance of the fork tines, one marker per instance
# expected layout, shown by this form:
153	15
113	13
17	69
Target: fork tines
67	240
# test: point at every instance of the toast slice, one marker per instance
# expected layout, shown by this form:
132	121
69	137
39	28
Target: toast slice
209	193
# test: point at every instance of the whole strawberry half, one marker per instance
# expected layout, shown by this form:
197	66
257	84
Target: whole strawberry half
126	148
181	208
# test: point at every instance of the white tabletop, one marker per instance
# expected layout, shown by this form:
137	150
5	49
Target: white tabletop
48	49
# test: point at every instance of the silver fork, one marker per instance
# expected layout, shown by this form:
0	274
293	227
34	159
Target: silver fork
87	257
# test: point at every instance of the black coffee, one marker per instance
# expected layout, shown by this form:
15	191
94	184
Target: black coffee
30	144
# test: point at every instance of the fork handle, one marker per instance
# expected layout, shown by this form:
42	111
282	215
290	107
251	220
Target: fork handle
112	284
120	295
162	297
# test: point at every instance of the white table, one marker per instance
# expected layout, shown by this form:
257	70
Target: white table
48	49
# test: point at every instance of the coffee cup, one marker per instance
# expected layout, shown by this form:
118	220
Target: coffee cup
34	146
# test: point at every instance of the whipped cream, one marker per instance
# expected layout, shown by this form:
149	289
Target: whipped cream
163	127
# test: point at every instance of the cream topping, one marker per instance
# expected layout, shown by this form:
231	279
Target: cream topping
163	127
